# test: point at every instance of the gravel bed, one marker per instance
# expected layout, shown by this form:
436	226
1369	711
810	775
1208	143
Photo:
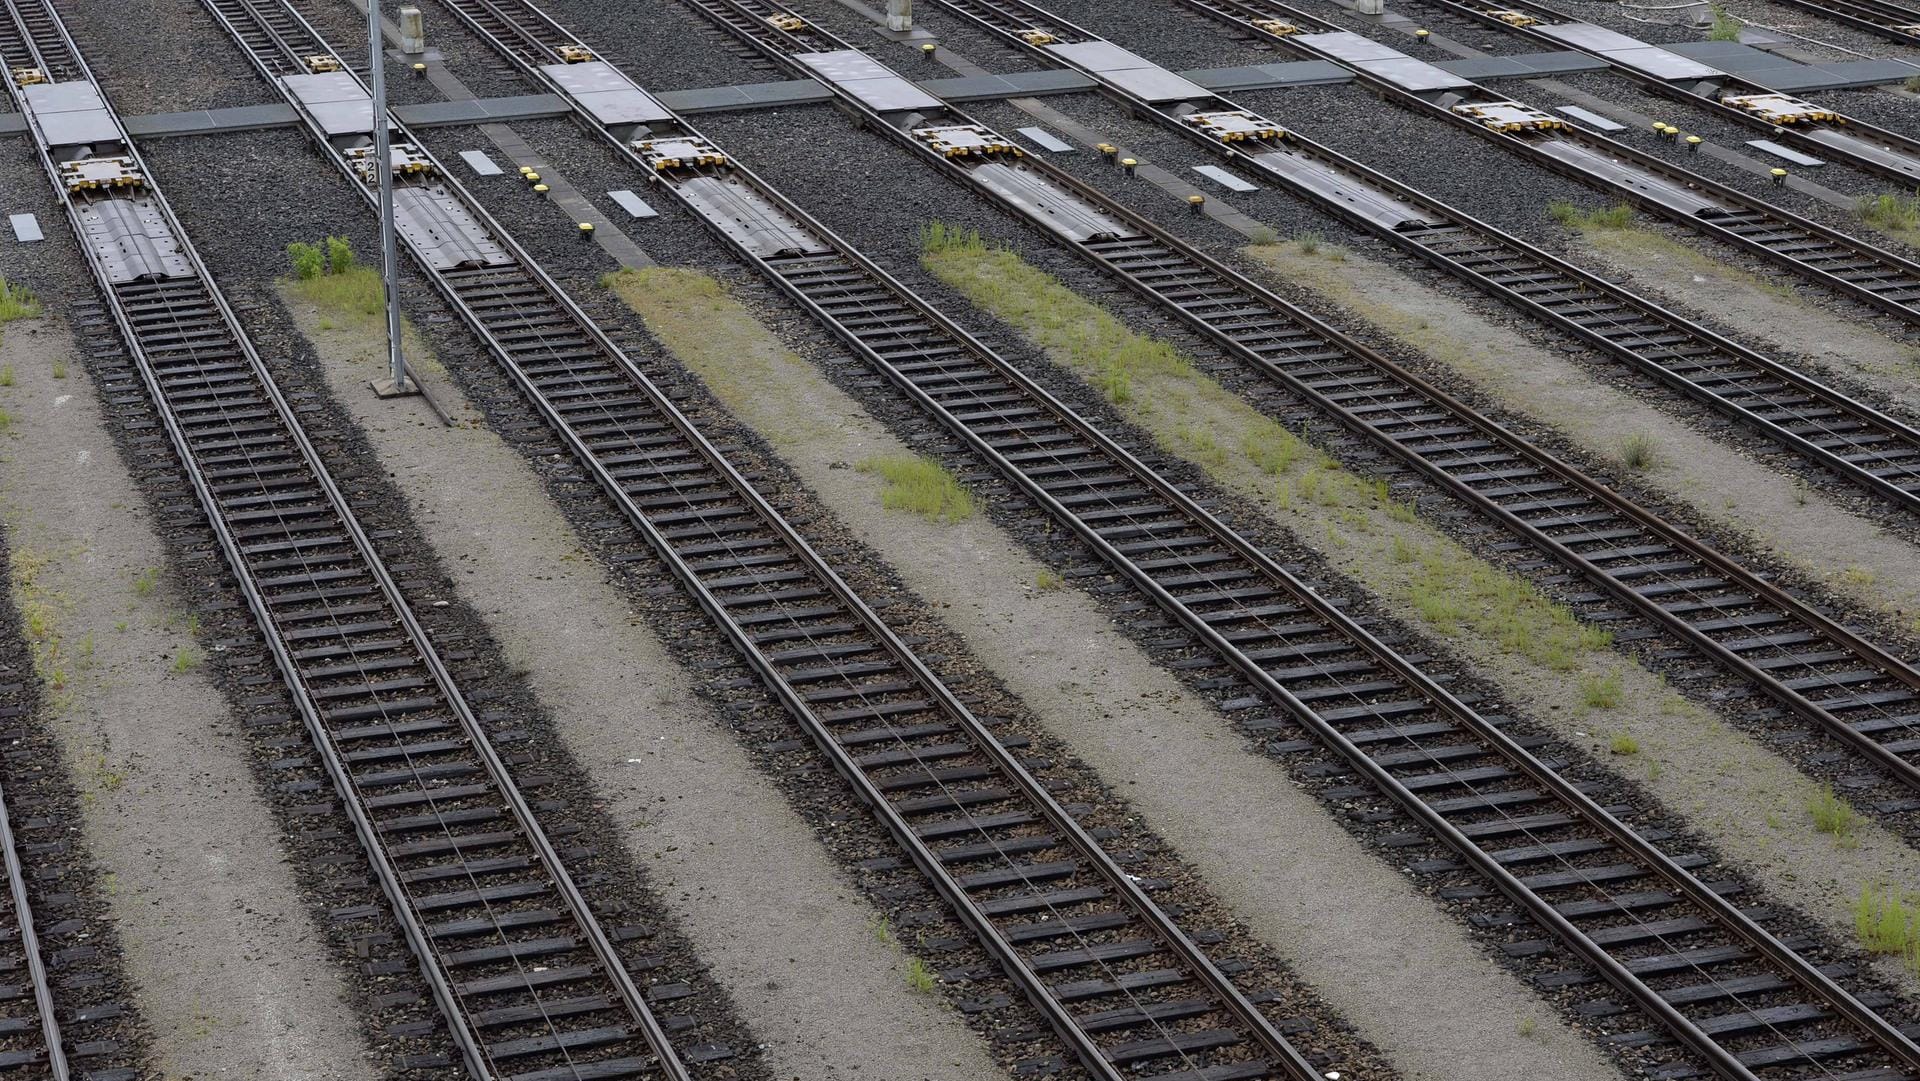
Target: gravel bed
769	735
952	32
1829	39
69	903
812	148
343	27
673	48
180	59
242	215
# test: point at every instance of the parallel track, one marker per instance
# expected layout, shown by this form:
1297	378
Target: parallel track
1828	257
1893	21
1875	451
1123	986
1873	150
1643	921
1824	673
528	982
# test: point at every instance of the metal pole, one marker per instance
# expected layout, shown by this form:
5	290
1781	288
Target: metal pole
383	169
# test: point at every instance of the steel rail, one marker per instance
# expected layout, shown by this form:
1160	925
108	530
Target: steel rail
22	45
246	386
872	781
1895	22
1707	92
1656	596
1829	257
1676	351
1112	460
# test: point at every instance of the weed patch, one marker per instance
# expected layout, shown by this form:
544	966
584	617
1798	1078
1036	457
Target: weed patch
1888	923
1619	216
920	485
1834	815
1601	691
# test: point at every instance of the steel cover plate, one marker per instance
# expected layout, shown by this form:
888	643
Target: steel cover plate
26	228
336	101
72	113
1664	192
1413	74
747	219
1853	144
1629	52
1046	140
1130	72
604	91
1048	205
132	240
1370	204
1225	179
869	80
441	230
1348	46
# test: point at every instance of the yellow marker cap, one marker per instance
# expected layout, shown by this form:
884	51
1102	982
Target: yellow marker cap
541	188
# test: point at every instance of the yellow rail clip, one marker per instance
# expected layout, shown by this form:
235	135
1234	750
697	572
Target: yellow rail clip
28	76
784	21
575	54
1277	27
322	63
1512	17
1037	37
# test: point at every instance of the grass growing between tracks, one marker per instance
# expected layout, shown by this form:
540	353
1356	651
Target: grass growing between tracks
1353	519
722	341
1615	217
1896	214
920	485
1888	923
17	303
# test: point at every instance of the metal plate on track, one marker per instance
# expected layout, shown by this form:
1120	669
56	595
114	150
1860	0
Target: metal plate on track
132	239
633	204
747	219
1348	46
1785	153
869	80
1048	205
26	228
1130	72
1590	118
442	231
1358	198
1664	192
1841	139
606	93
1047	140
335	100
1383	61
71	114
1629	52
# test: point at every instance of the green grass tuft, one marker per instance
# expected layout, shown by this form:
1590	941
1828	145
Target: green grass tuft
938	236
1888	923
1048	580
1614	217
1624	744
1601	691
920	485
308	263
1834	815
1891	211
16	302
920	978
1639	451
1725	27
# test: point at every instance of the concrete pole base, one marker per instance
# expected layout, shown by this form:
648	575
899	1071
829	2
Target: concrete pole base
387	388
899	14
413	31
1369	7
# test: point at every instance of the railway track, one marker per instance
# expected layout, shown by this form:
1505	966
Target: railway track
1835	260
1820	671
1633	913
1811	126
1877	452
527	981
1887	18
1120	983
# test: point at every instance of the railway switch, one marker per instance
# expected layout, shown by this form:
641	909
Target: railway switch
965	141
1236	125
1036	38
405	159
1780	108
322	63
28	76
1512	17
1510	116
96	174
1277	27
785	21
575	54
678	152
